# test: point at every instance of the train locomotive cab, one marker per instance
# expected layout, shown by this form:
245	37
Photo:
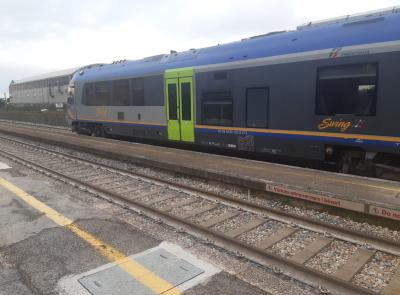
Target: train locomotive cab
70	114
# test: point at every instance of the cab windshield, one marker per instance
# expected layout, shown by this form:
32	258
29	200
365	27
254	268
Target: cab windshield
71	94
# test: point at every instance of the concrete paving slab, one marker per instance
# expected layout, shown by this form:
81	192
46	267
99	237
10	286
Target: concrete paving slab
8	275
161	262
4	166
35	252
179	268
18	221
174	270
113	281
16	287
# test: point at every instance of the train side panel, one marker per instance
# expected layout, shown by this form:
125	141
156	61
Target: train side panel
144	120
292	121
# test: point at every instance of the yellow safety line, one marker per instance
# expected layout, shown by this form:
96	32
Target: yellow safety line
133	268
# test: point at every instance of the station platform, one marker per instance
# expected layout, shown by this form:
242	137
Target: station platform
360	194
56	239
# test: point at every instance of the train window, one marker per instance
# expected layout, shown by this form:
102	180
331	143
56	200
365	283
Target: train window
186	101
154	94
172	102
138	92
103	93
217	108
347	90
257	107
88	97
120	93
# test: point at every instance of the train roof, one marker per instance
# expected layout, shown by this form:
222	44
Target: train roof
362	29
52	75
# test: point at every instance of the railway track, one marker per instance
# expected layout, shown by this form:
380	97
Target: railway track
288	243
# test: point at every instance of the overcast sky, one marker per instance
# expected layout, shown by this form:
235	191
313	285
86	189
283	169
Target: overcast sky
41	36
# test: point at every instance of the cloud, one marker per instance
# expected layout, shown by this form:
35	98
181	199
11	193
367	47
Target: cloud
40	36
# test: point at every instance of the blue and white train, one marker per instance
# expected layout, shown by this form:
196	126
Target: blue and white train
328	91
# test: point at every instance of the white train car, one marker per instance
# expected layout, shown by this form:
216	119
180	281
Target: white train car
45	89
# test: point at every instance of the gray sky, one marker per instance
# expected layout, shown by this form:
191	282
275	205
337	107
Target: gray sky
46	35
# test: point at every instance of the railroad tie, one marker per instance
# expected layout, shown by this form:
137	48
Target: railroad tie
197	211
95	177
155	200
178	204
354	264
52	161
117	184
393	288
142	190
102	182
245	228
135	189
311	250
75	170
276	237
87	177
220	218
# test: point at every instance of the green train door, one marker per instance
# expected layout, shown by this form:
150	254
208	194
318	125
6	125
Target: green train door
174	129
180	104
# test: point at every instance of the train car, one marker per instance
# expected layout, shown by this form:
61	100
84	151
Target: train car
327	91
46	89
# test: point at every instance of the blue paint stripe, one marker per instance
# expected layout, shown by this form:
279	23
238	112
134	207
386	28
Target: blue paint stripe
325	139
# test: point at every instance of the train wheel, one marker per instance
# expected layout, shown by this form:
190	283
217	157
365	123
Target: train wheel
81	131
98	131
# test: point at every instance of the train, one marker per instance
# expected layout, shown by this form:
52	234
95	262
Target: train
328	91
43	90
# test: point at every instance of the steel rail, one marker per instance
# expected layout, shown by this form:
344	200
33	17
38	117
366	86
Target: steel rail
384	244
297	270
